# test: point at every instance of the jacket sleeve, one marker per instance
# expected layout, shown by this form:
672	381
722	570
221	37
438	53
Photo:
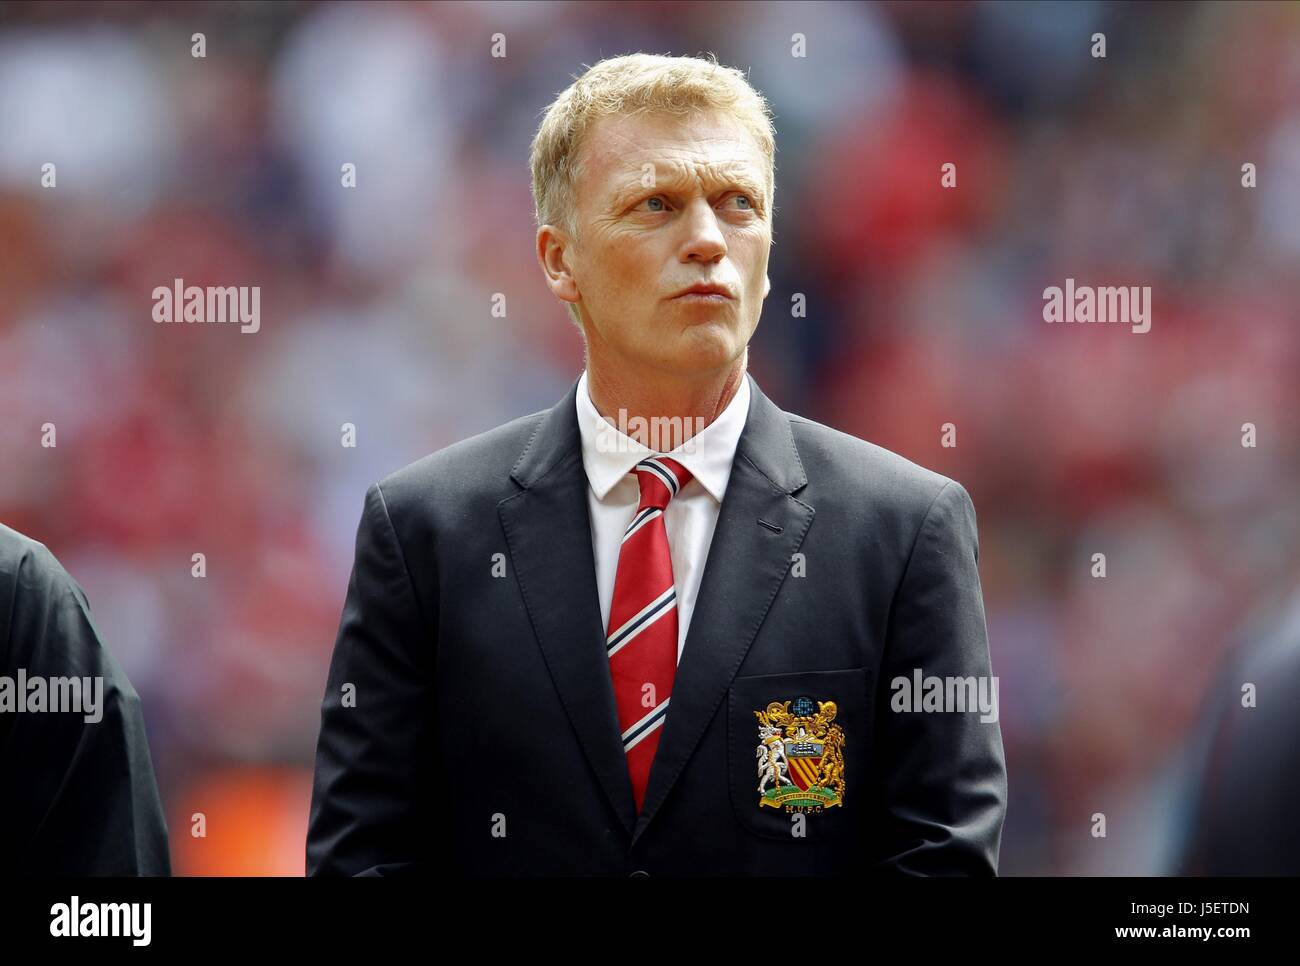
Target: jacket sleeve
79	793
371	810
942	774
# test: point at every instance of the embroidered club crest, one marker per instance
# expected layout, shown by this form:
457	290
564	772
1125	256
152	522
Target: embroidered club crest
800	756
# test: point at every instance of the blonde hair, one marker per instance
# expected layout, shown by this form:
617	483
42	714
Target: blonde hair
629	85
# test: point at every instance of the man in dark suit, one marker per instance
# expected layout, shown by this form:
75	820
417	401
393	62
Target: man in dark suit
601	639
77	789
1240	783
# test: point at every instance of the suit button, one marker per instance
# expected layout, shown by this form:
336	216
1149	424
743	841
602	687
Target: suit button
638	872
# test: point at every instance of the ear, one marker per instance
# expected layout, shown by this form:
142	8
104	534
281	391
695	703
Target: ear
552	255
767	285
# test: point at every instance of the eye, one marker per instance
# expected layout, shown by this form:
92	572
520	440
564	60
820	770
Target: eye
652	198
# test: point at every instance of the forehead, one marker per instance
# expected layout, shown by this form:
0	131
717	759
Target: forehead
706	147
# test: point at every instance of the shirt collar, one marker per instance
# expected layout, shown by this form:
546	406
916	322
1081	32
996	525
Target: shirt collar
608	454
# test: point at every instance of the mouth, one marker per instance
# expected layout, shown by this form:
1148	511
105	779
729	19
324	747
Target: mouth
705	297
704	293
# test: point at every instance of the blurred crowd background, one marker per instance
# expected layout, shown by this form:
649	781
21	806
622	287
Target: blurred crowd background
924	307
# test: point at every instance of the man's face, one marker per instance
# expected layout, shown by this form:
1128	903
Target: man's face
664	203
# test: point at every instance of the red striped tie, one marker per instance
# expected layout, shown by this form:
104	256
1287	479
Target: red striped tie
642	635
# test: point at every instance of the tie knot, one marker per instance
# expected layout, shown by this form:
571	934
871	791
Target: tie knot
661	478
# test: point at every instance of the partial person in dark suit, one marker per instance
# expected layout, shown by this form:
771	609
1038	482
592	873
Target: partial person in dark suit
1242	787
77	790
660	627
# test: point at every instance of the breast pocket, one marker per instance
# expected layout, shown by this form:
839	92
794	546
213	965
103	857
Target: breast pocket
796	746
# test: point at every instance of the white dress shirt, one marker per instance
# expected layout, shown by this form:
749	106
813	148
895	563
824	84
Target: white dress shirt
613	494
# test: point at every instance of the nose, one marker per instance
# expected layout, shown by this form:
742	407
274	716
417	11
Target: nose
704	240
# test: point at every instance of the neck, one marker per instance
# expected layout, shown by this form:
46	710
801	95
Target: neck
663	413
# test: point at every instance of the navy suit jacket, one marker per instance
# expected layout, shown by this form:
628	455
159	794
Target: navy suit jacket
469	724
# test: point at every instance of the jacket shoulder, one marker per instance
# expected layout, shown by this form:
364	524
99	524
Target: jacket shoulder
29	566
476	467
33	584
858	469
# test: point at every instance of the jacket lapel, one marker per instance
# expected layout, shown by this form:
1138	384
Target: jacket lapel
548	533
746	564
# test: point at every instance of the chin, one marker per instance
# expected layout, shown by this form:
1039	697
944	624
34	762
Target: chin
699	351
